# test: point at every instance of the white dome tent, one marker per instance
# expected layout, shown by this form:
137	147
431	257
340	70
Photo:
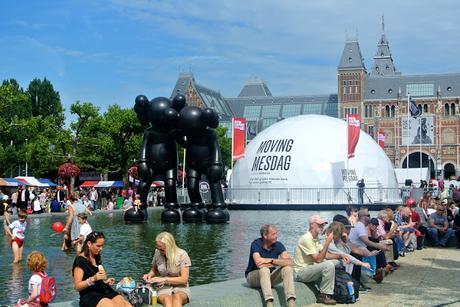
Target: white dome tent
302	160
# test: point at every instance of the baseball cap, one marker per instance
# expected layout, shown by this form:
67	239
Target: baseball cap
343	219
374	221
317	219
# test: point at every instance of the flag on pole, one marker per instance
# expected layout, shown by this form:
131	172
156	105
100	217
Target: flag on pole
381	139
413	109
354	128
239	137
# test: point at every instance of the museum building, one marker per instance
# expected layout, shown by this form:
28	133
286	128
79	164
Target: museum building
379	96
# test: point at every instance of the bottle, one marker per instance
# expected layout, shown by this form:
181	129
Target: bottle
351	292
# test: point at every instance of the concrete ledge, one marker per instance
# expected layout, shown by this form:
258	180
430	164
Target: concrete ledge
235	293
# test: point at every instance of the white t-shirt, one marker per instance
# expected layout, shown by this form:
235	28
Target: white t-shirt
358	231
35	280
85	230
37	206
18	229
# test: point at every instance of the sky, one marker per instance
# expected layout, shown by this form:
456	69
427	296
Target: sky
110	51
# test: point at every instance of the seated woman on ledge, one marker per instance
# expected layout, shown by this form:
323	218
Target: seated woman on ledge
90	278
173	266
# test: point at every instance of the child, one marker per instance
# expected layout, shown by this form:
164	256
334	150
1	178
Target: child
85	229
37	263
16	231
137	202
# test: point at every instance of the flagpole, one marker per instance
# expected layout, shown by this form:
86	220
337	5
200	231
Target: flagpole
407	136
233	145
420	142
348	150
183	175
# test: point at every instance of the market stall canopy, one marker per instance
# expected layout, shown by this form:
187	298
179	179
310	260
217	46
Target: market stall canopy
47	182
11	182
31	182
158	183
89	183
109	184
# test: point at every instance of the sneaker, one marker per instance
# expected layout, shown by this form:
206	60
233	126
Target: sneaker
326	299
364	289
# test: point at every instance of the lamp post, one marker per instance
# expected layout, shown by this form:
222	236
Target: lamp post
26	158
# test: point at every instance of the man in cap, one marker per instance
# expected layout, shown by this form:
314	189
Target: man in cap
310	264
269	264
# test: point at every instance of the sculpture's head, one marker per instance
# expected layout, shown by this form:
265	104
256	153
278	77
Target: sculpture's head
194	120
159	112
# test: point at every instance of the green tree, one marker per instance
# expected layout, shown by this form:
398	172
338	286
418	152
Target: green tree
44	100
88	138
225	144
123	134
13	101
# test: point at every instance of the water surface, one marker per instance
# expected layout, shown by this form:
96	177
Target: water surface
218	252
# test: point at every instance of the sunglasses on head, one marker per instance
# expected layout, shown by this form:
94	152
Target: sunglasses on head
96	234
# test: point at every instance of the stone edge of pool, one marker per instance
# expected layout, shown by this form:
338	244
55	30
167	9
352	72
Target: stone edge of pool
233	293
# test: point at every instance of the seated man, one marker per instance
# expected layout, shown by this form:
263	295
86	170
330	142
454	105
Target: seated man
438	229
269	264
310	264
359	236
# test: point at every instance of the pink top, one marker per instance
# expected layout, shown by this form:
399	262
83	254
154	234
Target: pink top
381	229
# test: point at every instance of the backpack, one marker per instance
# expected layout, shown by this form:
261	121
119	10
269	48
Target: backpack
340	288
143	295
47	289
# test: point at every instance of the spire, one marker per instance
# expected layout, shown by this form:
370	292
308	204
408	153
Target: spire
383	61
351	56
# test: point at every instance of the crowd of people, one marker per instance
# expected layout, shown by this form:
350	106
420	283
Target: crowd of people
349	249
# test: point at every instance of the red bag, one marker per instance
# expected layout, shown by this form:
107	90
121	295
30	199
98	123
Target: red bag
47	289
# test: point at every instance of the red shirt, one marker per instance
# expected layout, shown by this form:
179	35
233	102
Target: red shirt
415	218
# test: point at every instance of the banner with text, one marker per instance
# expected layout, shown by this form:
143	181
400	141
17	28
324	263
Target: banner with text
381	139
239	137
354	128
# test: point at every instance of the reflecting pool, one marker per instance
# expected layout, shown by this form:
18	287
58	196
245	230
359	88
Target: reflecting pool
218	252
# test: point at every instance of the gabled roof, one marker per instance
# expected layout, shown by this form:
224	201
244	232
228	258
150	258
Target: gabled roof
383	61
255	88
351	57
182	83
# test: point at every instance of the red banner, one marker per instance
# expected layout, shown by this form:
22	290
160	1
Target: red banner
239	137
381	139
354	128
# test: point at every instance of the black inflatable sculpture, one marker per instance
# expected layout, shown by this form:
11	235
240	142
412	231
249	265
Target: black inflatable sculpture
191	127
158	156
203	157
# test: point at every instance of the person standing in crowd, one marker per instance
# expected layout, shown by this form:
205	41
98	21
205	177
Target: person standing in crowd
16	230
14	202
270	264
23	197
93	197
90	278
37	264
360	184
312	262
172	264
438	229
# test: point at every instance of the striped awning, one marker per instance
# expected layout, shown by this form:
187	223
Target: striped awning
89	183
31	182
109	184
10	182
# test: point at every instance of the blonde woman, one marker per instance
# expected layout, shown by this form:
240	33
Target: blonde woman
170	271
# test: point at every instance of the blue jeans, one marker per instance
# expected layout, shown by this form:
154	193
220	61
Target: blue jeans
438	237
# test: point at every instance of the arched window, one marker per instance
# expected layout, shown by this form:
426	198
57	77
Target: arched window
446	109
425	108
393	111
452	109
387	111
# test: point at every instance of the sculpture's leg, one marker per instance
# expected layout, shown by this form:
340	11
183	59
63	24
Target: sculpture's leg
194	211
171	212
217	212
143	191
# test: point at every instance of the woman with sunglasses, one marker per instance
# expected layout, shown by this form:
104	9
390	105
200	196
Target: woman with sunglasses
90	278
172	264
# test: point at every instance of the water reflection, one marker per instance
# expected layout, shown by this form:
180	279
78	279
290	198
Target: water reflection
218	252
